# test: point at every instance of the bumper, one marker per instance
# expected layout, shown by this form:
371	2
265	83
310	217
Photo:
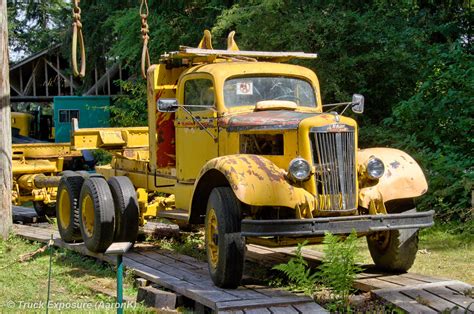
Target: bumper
336	225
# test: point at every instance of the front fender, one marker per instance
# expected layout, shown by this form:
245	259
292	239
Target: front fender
403	177
257	181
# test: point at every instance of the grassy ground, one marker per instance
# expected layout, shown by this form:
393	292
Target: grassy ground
75	281
440	254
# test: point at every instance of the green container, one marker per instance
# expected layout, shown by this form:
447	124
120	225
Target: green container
91	111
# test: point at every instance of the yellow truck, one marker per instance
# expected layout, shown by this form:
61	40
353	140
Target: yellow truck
238	141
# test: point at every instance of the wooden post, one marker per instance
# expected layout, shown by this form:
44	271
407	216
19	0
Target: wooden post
5	128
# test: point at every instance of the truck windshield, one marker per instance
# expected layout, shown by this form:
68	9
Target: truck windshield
247	91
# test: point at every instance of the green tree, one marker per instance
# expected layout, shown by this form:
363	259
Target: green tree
36	25
435	124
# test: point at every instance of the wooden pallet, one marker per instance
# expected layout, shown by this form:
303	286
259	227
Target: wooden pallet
189	277
410	292
434	297
368	280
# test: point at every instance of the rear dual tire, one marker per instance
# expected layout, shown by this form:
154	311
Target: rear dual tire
97	214
96	211
67	206
127	214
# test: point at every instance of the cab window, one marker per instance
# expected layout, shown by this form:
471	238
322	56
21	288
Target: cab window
199	94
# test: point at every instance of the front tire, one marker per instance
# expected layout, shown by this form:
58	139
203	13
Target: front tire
225	247
394	250
97	214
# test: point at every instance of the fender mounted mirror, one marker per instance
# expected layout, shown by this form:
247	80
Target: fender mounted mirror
167	105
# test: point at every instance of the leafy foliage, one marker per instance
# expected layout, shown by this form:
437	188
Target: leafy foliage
130	108
36	25
338	270
435	126
298	272
411	59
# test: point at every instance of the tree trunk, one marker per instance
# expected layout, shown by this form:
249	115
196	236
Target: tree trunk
5	128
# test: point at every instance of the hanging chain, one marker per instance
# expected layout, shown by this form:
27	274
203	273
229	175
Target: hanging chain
144	30
77	32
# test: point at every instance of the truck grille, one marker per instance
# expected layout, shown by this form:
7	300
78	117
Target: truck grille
334	158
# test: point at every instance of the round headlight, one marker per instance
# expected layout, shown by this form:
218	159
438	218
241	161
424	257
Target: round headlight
299	169
375	168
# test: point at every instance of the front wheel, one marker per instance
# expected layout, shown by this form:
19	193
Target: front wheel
393	250
224	245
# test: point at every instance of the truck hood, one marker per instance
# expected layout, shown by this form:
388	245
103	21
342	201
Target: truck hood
265	120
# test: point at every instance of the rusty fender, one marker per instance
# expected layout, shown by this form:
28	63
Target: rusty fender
403	177
257	181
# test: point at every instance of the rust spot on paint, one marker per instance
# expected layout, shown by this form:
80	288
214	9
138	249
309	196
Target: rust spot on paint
395	164
272	173
265	120
244	159
231	161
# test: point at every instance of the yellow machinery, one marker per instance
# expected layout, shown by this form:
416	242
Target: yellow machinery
239	141
36	167
22	122
35	173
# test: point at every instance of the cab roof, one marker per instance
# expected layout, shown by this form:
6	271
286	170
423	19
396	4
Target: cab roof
221	71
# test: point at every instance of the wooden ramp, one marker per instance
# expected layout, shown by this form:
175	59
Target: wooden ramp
410	292
189	277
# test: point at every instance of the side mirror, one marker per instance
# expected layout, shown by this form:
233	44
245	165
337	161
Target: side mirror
167	105
357	103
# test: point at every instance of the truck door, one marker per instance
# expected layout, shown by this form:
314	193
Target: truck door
195	137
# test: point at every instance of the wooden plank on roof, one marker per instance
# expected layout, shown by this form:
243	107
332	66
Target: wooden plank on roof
209	55
246	53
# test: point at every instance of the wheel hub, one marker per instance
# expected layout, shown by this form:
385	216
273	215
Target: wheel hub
88	218
382	239
212	236
64	209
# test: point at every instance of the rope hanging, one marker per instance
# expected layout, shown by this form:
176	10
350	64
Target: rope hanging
144	30
77	32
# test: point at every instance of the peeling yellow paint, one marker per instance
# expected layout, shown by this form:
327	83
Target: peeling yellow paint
403	178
